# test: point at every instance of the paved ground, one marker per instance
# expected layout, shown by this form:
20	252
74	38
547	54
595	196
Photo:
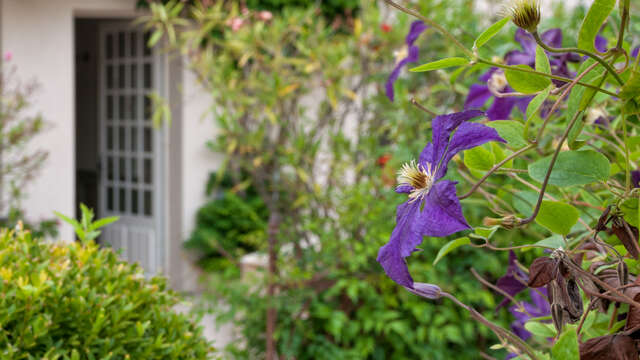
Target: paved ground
219	336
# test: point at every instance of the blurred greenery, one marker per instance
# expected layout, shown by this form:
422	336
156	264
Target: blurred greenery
304	119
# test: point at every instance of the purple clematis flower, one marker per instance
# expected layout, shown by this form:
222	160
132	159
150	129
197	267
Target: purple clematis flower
538	307
635	178
433	208
407	55
513	282
494	79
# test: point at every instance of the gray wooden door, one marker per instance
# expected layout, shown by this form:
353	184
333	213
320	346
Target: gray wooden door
130	148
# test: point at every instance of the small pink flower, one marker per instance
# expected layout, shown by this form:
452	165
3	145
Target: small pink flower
8	56
236	23
265	15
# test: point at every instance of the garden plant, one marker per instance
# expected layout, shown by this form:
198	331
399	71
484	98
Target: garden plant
535	161
571	156
78	301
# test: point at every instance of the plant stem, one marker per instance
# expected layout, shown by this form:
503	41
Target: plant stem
555	77
548	174
579	51
557	103
434	25
625	20
516	341
496	167
627	156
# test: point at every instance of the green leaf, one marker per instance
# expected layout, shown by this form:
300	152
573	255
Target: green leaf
533	109
554	241
511	131
542	61
566	348
103	222
629	208
155	37
598	13
484	233
572	168
558	217
631	89
490	33
440	64
450	246
540	329
479	158
575	131
526	82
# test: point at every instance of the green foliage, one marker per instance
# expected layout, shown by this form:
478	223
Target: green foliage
490	32
332	9
227	227
573	168
76	301
526	82
597	15
557	216
86	229
441	64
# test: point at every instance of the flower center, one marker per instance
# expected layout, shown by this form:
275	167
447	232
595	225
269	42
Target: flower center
418	177
401	54
498	81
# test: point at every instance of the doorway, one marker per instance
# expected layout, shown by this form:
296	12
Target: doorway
118	152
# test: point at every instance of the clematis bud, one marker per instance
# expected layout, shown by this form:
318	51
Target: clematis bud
525	14
508	222
429	291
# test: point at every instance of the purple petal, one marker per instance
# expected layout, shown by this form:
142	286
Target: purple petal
468	135
402	243
635	178
417	27
442	214
527	41
477	97
441	128
501	108
412	56
523	102
516	57
635	51
509	283
552	37
486	76
601	43
404	189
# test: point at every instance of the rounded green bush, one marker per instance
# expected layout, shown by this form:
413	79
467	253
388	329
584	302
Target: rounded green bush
78	301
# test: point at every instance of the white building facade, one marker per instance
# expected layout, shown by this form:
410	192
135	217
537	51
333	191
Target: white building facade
95	75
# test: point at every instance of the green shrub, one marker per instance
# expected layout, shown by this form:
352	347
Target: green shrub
230	225
75	301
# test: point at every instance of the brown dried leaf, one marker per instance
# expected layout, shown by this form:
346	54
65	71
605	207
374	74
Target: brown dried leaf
609	347
541	271
628	236
633	317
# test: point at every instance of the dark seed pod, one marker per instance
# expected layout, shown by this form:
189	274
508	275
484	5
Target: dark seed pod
627	234
604	218
623	273
574	305
557	314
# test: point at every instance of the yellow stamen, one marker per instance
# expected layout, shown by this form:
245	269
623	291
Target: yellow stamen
418	177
